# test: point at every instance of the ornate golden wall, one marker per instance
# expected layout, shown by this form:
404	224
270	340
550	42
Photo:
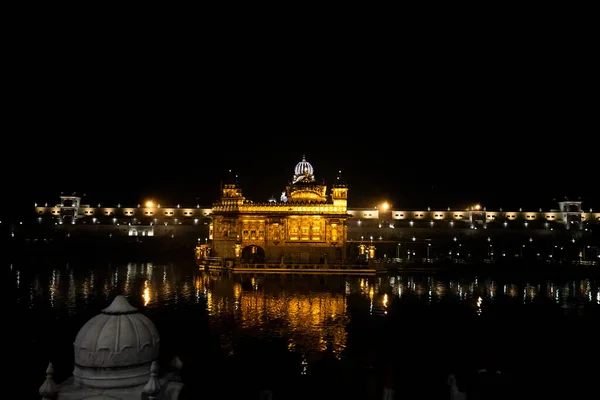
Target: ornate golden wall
294	236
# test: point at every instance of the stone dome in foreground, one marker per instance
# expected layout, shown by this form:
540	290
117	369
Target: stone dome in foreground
115	348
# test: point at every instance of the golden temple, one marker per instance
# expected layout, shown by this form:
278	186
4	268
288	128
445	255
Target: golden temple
306	225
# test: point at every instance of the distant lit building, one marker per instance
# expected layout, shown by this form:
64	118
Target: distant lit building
307	225
311	223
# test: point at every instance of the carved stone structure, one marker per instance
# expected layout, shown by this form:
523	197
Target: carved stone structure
116	358
305	226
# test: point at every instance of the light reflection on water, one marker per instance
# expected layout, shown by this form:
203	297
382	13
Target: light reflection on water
310	313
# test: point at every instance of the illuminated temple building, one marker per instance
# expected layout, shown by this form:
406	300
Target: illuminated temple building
311	223
306	225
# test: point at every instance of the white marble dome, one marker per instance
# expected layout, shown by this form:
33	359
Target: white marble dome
304	171
115	348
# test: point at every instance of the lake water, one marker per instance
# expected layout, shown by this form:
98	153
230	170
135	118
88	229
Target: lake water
314	336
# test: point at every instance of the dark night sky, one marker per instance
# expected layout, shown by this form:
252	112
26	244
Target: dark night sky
417	128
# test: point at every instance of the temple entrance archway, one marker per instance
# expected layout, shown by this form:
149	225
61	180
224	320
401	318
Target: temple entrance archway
253	254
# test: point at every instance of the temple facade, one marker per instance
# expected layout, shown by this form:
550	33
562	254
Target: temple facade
307	224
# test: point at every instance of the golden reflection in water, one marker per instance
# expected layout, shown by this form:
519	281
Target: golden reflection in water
512	290
530	293
149	268
492	289
237	291
146	294
392	281
198	288
106	289
186	290
550	289
584	285
311	319
586	288
209	301
440	289
129	277
85	288
31	294
420	289
237	294
114	279
366	288
488	290
168	283
72	293
566	293
54	286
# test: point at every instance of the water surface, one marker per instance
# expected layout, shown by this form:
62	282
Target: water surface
305	335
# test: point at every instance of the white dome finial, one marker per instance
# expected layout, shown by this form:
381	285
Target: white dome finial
49	389
303	172
119	305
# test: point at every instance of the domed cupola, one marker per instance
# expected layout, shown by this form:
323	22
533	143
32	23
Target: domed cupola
115	348
303	172
304	188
